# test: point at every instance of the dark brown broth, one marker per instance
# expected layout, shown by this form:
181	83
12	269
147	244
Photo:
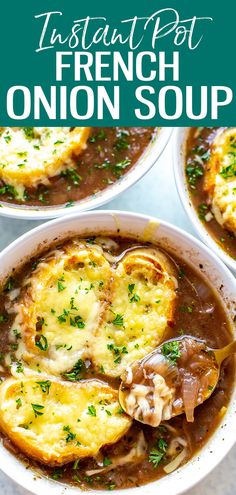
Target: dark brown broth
222	237
97	167
199	313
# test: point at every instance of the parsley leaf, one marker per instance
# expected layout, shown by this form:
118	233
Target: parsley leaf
45	386
41	342
91	411
76	372
118	320
156	455
37	408
171	351
70	435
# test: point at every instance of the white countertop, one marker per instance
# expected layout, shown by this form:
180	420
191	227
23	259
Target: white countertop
154	195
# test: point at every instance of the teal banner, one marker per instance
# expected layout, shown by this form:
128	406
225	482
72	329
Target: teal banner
155	62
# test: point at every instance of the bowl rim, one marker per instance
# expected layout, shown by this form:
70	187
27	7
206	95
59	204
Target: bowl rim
194	470
145	162
178	153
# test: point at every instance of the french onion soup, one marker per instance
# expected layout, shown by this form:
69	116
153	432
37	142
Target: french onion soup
74	322
49	166
211	178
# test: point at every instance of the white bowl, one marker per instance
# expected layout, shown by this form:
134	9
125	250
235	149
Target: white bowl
179	153
149	157
203	260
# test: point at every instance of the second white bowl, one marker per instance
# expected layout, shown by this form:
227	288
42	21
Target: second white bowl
149	157
179	156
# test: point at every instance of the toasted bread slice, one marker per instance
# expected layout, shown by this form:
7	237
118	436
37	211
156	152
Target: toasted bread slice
29	156
57	422
143	299
220	179
61	306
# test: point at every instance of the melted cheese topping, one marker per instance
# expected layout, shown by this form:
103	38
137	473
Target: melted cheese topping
63	304
142	297
220	179
76	305
58	422
30	156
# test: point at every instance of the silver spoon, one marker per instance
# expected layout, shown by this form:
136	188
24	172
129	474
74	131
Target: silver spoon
175	378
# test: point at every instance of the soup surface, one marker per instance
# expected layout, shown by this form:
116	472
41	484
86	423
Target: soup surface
72	321
76	165
211	172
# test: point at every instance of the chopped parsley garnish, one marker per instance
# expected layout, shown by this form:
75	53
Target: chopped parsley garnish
117	351
60	285
157	454
119	167
120	410
118	320
19	367
91	411
102	370
63	346
3	318
71	174
133	296
22	154
122	140
10	283
29	132
181	273
13	346
202	211
186	309
72	304
18	403
42	198
101	135
229	171
45	386
76	478
110	485
194	172
7	189
76	464
41	342
75	321
24	425
70	435
38	409
131	288
76	372
171	351
57	474
106	461
62	318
